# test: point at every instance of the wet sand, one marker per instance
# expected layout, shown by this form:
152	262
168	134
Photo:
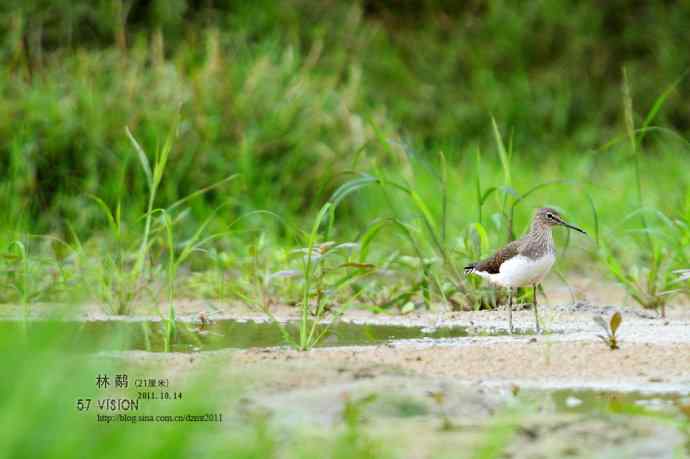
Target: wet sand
489	384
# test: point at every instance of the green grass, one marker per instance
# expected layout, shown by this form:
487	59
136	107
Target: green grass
418	220
240	135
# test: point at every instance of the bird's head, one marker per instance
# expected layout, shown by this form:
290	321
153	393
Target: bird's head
549	217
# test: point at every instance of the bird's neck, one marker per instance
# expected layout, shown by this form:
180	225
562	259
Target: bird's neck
541	239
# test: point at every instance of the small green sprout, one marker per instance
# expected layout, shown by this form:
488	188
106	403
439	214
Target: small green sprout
439	397
353	410
610	328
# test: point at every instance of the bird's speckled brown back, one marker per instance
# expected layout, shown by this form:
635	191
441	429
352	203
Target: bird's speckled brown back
535	244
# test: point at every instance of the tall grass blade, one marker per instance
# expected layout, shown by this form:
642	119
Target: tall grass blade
143	158
502	153
658	104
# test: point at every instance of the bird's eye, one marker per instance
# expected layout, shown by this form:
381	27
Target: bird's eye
550	215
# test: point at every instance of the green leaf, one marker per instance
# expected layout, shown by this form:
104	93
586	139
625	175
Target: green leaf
106	211
658	103
350	187
615	322
368	237
407	308
424	210
502	153
143	159
486	194
595	216
202	191
483	237
628	111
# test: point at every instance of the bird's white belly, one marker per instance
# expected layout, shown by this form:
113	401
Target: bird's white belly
521	271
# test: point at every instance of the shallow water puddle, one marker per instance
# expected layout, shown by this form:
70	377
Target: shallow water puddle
120	335
588	401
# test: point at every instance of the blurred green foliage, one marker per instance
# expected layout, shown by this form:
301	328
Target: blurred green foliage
44	419
284	93
298	97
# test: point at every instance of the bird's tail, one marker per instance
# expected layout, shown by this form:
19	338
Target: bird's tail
469	269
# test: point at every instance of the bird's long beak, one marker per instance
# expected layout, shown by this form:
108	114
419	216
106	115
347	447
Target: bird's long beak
573	227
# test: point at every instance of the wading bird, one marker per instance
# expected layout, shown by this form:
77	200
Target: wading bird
524	262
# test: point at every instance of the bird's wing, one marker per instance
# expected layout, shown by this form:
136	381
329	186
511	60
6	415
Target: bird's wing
493	264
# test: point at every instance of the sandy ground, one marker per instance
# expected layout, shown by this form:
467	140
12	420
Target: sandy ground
540	362
654	354
483	379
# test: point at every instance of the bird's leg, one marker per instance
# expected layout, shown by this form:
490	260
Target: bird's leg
510	309
536	310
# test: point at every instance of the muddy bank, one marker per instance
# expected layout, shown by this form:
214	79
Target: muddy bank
655	352
435	400
539	362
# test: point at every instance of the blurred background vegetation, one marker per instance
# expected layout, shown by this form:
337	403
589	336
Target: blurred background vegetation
385	108
297	97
